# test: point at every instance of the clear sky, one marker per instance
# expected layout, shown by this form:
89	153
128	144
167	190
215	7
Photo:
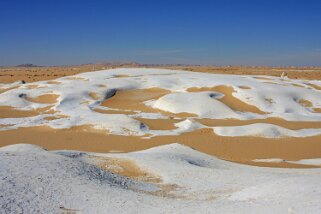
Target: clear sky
217	32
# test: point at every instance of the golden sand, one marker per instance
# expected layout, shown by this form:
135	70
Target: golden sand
33	86
130	169
113	111
44	99
10	112
126	168
317	110
237	149
54	82
159	124
133	100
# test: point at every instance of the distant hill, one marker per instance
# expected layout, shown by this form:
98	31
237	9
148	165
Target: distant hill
27	65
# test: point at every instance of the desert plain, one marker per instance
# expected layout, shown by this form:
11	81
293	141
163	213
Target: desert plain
224	138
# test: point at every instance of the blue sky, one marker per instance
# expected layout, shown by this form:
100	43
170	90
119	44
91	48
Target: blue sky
217	32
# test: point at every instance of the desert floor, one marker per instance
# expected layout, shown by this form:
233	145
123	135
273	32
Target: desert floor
31	74
174	139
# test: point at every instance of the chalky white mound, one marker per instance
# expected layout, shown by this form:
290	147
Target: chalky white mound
276	97
264	130
37	181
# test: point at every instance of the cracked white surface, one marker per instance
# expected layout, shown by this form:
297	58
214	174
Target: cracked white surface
34	180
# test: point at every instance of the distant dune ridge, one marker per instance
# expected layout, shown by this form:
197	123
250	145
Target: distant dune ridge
27	65
30	73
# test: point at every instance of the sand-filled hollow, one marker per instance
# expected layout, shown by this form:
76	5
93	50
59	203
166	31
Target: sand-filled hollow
133	100
125	167
44	99
160	124
228	99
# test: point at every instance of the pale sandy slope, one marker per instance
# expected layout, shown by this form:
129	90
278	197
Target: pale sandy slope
34	180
